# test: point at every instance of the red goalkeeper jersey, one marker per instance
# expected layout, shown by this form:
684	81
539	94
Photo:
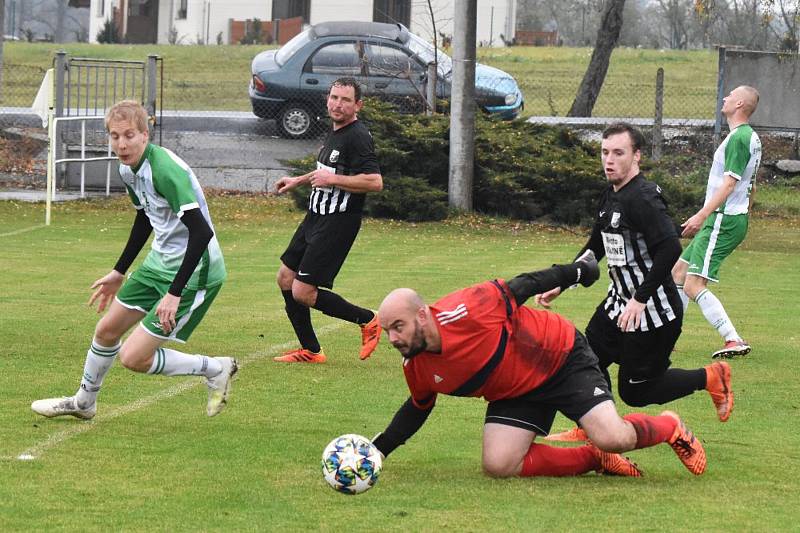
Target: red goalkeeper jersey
490	347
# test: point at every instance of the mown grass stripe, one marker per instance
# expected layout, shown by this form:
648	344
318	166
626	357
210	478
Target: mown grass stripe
54	439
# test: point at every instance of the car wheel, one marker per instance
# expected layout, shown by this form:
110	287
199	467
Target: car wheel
296	121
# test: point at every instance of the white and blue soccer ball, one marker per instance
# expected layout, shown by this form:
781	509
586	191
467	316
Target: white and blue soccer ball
351	464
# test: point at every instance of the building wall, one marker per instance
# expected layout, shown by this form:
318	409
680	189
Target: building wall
206	19
96	19
490	25
325	11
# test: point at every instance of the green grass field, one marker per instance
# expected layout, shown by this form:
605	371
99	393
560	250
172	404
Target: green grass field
152	460
216	77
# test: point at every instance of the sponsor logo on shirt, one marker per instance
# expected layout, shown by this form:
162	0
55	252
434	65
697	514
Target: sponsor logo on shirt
437	378
334	156
615	220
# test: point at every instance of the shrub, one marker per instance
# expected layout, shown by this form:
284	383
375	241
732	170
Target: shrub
108	33
522	170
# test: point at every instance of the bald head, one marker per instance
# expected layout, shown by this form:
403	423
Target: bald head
749	97
740	104
405	317
400	303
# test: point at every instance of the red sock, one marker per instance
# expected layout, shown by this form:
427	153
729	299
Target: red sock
651	430
543	460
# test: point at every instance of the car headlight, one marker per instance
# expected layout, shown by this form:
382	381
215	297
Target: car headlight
511	98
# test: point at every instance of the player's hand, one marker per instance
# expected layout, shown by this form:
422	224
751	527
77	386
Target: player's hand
692	225
546	298
105	289
284	184
631	316
322	178
166	311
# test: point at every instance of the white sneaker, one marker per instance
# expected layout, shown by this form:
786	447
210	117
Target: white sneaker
63	406
220	385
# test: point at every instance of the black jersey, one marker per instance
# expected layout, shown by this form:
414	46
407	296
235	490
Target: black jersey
631	225
347	151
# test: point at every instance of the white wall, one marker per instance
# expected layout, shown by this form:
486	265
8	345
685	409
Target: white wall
321	11
199	24
488	26
325	11
96	21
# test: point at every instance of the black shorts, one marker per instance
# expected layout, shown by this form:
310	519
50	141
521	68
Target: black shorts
320	245
639	354
574	390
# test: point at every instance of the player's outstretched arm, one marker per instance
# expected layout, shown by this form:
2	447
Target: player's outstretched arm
407	421
553	280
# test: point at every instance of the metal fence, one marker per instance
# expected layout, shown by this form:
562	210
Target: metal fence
300	112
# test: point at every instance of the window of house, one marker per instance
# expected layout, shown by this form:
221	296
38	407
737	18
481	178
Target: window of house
183	7
101	8
286	9
392	11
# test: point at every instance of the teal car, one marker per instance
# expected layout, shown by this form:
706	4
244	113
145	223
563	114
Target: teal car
290	84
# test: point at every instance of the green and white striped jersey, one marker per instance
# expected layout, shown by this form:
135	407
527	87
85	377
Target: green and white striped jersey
165	187
739	156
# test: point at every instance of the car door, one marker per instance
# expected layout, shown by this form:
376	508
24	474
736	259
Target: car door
331	61
395	76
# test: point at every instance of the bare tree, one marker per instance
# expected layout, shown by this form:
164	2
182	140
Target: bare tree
677	14
54	17
784	19
607	37
754	24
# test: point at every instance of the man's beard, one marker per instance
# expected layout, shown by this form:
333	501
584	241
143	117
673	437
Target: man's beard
418	343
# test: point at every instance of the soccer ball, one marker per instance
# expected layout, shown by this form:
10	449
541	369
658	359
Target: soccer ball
351	464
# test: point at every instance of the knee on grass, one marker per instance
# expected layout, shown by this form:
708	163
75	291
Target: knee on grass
500	467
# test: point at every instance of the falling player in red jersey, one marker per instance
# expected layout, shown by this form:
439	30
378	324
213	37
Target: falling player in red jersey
527	363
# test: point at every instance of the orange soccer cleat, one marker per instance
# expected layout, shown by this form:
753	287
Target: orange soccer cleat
688	449
718	385
301	355
575	434
370	335
614	464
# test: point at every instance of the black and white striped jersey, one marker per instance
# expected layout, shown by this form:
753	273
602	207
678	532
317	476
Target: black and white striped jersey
640	242
347	151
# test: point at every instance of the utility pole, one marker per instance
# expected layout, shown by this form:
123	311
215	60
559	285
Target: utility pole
462	107
2	38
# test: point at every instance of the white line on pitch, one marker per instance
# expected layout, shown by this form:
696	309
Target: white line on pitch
54	439
23	230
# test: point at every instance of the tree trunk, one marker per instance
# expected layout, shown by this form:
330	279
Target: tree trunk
607	37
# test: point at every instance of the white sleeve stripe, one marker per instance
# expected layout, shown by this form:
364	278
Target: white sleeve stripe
187	207
734	175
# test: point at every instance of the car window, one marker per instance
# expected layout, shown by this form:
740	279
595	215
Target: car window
425	52
389	61
289	49
338	59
